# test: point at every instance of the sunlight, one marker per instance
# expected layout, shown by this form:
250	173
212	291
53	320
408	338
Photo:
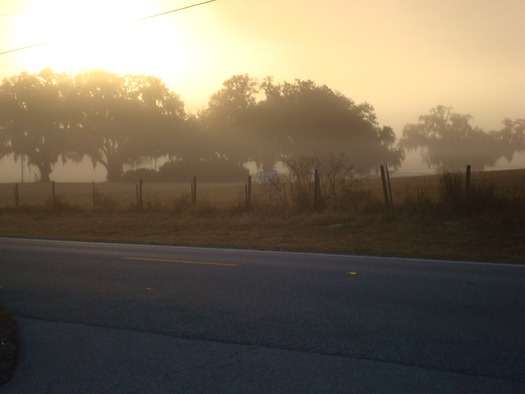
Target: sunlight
98	34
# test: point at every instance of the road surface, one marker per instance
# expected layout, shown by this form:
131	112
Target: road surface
175	319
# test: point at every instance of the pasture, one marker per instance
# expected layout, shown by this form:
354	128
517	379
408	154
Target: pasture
282	193
428	219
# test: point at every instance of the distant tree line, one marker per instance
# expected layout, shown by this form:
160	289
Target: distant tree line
112	119
447	139
127	120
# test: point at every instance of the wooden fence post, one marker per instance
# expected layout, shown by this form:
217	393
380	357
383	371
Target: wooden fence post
248	192
385	186
389	188
317	190
194	190
137	195
467	181
16	195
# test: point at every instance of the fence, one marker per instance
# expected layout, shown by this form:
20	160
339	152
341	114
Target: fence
313	193
119	195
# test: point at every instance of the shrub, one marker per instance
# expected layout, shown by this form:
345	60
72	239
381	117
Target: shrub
451	191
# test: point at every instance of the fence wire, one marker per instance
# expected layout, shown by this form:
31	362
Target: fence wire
406	188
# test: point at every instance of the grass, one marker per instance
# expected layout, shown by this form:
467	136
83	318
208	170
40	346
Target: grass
434	216
487	236
122	195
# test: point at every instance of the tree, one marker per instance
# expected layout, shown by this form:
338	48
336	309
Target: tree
227	119
7	109
295	119
512	137
124	119
34	120
310	119
447	139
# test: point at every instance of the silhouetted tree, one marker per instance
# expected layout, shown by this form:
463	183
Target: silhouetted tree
512	137
447	139
296	119
35	120
304	119
7	108
124	119
227	118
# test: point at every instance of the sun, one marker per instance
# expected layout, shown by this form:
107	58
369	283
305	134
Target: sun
101	34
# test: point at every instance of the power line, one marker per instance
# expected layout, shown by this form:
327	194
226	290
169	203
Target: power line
170	12
38	44
26	47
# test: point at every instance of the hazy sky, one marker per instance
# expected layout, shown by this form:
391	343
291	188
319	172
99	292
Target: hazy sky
402	56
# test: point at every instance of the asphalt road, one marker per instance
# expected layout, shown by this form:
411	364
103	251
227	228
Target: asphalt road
210	320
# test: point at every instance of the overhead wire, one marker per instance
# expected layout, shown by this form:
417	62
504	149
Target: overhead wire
169	12
38	44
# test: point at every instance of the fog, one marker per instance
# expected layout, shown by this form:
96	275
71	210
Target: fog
404	58
69	172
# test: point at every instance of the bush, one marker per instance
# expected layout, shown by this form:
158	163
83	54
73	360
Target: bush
212	170
452	191
458	198
145	174
341	188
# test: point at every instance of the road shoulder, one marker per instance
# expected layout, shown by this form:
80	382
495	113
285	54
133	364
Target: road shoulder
65	357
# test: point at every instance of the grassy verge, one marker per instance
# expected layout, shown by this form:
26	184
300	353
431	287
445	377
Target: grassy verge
488	236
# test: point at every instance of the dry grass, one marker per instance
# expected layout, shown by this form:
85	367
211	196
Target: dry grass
173	196
489	237
431	218
117	195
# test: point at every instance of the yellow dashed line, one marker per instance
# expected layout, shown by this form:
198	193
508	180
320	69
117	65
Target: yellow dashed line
182	262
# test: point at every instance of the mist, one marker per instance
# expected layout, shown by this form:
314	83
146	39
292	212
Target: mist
97	125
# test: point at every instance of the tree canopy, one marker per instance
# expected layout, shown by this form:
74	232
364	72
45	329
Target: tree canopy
119	120
123	119
300	118
110	118
34	120
447	139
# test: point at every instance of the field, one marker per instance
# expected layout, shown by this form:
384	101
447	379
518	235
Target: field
278	194
430	218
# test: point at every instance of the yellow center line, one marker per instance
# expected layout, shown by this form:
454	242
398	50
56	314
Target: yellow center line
182	262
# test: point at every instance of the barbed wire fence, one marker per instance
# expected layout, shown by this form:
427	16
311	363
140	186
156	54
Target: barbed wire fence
383	189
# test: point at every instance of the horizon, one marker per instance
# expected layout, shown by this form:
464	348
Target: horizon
403	57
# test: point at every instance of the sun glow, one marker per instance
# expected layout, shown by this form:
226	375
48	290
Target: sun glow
102	34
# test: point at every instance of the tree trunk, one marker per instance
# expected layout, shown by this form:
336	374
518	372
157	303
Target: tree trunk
114	171
45	171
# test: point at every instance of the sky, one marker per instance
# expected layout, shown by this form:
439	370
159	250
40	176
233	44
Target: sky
404	57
